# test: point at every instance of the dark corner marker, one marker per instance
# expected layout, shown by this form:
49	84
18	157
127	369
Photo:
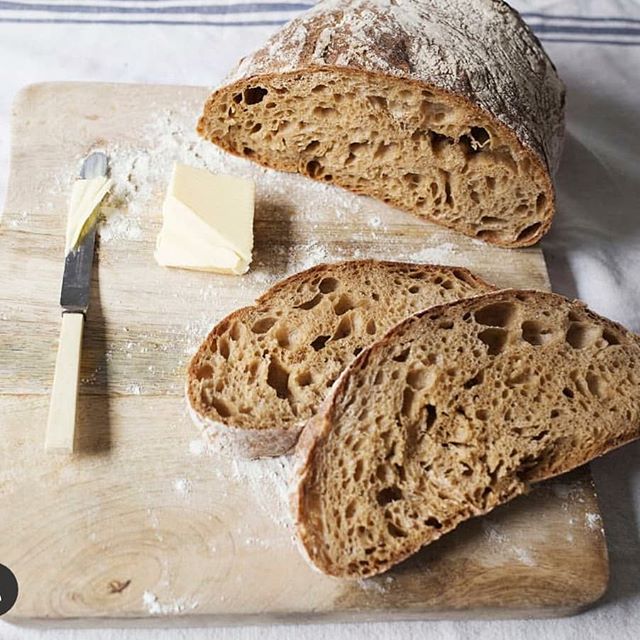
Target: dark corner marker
8	589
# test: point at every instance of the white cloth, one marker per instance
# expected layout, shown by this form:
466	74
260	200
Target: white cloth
593	249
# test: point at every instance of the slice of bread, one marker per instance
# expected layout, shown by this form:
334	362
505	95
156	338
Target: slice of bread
262	371
449	110
456	410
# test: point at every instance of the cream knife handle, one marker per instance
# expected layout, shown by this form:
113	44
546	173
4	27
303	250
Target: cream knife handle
61	424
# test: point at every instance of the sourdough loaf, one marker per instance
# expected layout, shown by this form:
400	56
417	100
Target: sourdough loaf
263	370
449	109
456	410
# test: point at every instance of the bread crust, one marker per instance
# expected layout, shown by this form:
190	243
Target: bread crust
506	76
316	431
273	440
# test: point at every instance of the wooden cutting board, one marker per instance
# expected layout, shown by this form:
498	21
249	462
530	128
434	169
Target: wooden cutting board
148	519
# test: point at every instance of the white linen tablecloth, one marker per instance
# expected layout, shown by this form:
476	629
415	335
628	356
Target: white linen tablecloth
593	250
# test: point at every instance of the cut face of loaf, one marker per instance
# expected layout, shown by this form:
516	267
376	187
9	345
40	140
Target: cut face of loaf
262	372
455	411
413	103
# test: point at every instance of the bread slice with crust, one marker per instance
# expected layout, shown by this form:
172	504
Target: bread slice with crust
263	370
455	411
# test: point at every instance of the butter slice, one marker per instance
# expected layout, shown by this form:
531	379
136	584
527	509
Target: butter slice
86	195
207	222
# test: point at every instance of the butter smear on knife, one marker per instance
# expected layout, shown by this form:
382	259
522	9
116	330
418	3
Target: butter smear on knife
86	195
207	222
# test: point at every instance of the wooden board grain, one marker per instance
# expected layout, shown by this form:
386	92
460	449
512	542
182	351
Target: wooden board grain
148	520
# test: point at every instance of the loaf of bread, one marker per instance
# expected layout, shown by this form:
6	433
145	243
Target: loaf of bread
456	410
449	109
262	371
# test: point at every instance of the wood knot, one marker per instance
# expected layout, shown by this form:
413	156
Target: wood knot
118	586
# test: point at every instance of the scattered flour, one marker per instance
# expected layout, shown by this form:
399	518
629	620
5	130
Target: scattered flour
18	220
155	607
253	541
442	253
268	479
492	533
196	447
116	225
524	556
182	487
593	521
307	256
503	547
570	493
376	585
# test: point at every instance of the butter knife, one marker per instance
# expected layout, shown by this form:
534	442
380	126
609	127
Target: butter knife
74	300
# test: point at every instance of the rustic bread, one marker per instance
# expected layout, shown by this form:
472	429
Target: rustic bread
455	411
263	370
448	109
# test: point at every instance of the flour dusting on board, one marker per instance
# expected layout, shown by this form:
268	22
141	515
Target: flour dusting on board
594	521
182	486
117	225
380	585
197	447
267	479
569	492
153	605
503	547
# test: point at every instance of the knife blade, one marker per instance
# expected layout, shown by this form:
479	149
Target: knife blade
76	280
74	300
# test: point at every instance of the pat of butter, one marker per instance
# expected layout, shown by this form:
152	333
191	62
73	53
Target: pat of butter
86	195
207	222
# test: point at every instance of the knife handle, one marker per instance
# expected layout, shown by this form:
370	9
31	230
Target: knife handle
61	424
